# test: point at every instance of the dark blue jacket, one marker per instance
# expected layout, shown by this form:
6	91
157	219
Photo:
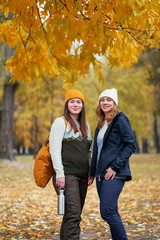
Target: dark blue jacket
118	145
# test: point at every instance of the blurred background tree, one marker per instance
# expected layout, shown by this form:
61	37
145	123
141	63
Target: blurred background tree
35	109
38	104
152	58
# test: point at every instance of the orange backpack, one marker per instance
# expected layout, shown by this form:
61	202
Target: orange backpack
43	168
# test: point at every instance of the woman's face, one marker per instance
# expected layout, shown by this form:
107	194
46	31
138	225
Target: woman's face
106	104
75	106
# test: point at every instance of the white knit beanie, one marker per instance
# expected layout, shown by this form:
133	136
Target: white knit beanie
111	93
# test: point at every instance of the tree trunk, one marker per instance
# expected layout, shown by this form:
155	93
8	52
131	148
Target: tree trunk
156	137
36	145
145	145
137	145
6	136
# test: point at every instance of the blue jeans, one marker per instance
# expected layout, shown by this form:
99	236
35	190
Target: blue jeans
109	191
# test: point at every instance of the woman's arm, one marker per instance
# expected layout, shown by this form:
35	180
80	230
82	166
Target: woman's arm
128	140
94	156
55	146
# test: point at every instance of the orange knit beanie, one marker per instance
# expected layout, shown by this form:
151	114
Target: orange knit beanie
73	93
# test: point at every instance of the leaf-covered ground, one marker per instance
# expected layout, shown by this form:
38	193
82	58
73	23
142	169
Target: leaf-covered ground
29	212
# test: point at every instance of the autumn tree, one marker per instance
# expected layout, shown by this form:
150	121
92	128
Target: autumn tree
66	36
35	109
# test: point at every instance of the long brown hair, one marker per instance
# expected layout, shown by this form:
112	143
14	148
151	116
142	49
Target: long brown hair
109	116
81	119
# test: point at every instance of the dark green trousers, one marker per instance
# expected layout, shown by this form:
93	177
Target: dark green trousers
75	193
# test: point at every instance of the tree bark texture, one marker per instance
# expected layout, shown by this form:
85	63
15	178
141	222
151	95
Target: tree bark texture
6	133
36	132
145	145
6	136
137	145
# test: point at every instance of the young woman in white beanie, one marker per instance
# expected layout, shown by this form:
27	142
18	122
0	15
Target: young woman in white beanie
114	142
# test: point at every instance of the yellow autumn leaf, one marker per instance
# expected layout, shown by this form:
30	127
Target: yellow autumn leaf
118	29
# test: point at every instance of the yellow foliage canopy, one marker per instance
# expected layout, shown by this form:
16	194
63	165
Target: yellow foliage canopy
65	36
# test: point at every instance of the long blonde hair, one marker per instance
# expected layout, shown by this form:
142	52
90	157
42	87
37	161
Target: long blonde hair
109	116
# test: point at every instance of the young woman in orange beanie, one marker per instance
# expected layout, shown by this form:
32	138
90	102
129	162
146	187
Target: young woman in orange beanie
69	149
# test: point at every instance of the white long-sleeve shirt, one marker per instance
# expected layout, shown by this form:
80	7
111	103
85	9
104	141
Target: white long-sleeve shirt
58	132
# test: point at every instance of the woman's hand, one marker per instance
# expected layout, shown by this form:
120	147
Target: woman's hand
90	180
110	174
60	182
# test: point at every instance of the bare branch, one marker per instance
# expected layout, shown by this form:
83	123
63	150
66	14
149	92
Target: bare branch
65	5
24	43
45	34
